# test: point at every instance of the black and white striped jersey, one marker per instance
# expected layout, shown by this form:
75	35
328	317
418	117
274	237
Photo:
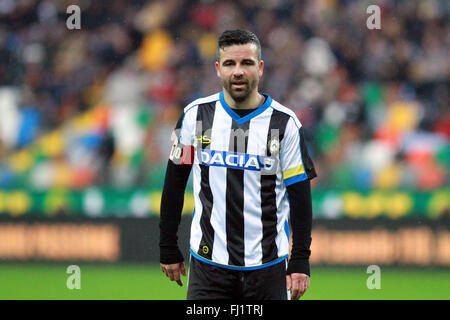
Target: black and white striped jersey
241	167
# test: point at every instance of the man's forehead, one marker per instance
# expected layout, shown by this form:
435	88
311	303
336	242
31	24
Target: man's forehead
239	52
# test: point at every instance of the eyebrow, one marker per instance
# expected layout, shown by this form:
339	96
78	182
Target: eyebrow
243	60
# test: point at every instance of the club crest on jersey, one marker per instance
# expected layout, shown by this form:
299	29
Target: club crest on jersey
274	146
267	165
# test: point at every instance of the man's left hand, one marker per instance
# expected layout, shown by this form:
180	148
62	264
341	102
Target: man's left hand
297	283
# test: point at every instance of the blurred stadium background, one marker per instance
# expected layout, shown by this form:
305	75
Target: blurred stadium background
86	116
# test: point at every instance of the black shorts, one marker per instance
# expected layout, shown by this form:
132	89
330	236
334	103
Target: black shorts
207	281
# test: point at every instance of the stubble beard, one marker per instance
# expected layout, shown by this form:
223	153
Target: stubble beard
239	95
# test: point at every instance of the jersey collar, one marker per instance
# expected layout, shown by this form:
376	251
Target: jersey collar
240	120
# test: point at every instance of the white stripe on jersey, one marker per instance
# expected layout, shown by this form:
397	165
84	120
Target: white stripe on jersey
219	141
196	232
282	214
213	97
252	209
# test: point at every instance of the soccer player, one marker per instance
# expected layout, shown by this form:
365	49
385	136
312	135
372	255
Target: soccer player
251	175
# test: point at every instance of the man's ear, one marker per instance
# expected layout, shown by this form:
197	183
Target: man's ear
261	68
217	69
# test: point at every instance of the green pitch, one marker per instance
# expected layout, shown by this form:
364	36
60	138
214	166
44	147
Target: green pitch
125	281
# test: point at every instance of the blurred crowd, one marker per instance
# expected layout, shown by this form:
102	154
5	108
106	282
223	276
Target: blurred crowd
96	106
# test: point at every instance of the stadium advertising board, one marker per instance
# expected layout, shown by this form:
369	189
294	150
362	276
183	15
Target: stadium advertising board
405	242
327	203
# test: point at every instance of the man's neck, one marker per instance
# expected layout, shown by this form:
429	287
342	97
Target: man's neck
253	101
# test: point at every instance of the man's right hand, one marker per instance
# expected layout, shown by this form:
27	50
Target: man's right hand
173	271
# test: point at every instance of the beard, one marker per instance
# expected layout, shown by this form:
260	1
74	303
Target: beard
239	95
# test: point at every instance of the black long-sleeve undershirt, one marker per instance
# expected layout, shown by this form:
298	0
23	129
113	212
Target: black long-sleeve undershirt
170	213
172	204
301	224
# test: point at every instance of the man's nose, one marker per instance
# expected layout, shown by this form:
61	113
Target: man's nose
238	71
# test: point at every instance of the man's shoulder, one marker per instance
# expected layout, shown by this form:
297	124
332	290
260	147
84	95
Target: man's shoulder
287	111
203	100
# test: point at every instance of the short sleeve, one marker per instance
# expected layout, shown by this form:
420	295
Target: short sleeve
296	165
182	139
185	129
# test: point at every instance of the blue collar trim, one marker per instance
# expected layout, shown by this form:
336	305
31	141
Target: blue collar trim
248	117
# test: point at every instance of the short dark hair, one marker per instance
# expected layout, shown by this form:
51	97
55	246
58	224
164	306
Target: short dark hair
233	37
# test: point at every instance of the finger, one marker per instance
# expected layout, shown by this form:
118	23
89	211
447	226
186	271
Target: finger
304	286
288	282
301	287
295	294
295	289
176	275
176	278
183	269
170	273
301	292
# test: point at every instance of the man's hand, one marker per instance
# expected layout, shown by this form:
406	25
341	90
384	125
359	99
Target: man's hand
173	271
297	283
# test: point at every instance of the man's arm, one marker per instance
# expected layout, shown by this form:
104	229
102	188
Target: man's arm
298	271
172	200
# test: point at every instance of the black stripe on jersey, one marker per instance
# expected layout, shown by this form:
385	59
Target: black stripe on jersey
235	197
307	162
278	121
205	118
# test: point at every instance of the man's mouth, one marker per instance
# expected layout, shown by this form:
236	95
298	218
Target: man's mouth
238	84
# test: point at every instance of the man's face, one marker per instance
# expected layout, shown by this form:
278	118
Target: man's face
240	70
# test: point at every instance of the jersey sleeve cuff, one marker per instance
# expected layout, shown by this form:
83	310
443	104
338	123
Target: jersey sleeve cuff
294	175
295	179
298	266
170	255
